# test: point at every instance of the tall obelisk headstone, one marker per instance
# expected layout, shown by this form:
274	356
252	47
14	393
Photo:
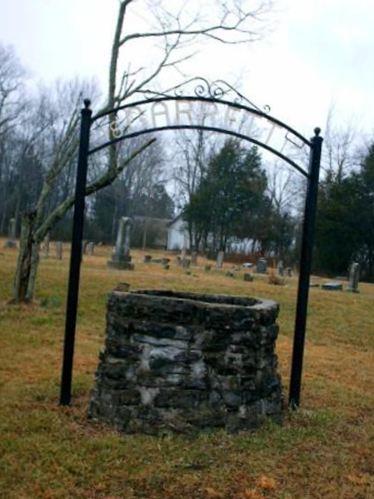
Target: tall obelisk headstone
354	276
59	250
46	244
90	248
219	261
121	258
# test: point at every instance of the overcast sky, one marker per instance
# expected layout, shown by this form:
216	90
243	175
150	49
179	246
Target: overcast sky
320	52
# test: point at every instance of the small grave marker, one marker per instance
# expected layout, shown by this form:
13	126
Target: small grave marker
332	286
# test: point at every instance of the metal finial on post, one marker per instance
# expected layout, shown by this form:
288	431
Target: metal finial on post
317	131
87	103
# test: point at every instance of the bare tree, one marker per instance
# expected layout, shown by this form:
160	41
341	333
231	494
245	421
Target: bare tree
57	120
339	147
12	105
173	32
283	188
11	83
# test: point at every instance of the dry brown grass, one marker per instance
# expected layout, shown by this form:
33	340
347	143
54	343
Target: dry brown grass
325	450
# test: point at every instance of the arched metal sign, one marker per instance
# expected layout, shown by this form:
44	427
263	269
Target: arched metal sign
206	108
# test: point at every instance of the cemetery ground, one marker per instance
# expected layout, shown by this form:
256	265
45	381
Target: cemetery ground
323	450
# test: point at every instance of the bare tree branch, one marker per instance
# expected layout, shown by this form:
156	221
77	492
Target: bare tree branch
107	178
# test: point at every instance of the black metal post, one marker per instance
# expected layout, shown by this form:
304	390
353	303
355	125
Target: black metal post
305	269
76	255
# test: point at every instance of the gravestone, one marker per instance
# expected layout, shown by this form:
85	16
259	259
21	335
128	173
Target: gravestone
12	229
11	242
262	266
332	286
280	268
194	258
248	277
354	276
220	257
46	245
59	250
208	268
147	258
289	271
186	262
121	258
183	253
90	248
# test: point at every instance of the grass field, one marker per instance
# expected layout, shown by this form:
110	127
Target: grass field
324	450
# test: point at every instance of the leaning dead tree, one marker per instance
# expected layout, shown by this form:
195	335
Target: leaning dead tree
172	34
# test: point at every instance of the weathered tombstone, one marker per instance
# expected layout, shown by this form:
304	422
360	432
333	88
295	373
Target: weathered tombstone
289	271
194	258
229	273
186	262
46	245
12	229
165	261
84	246
208	268
280	268
314	285
178	260
354	276
11	242
332	286
90	248
165	266
183	253
147	258
220	258
261	266
121	258
59	250
248	277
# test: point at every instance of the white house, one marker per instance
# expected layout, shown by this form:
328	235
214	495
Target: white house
178	237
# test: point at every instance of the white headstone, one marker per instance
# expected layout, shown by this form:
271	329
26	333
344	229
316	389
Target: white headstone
121	258
262	266
220	257
354	276
59	250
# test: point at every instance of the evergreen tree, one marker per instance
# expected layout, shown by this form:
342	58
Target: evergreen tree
345	223
234	185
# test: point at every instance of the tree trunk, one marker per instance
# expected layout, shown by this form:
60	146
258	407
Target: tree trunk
28	259
33	271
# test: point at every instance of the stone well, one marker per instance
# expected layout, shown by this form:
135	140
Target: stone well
185	361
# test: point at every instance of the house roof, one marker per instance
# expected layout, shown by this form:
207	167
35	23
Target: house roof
164	221
175	219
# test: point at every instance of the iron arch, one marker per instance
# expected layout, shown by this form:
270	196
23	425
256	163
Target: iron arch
210	95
